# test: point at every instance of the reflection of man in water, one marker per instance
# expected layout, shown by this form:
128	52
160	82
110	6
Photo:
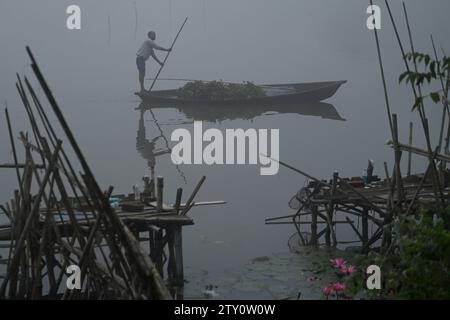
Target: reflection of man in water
145	51
147	148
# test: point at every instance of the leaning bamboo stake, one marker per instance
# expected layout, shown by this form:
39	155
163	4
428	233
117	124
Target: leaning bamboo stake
178	200
390	187
383	79
13	147
188	205
20	242
352	225
375	237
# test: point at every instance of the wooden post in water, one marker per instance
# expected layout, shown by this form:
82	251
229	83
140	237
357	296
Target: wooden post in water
152	180
160	188
178	250
171	263
151	243
330	229
398	155
327	232
410	144
159	244
178	200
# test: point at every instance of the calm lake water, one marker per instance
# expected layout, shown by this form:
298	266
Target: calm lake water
340	134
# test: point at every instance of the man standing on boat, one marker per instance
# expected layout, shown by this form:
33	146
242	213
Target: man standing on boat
145	51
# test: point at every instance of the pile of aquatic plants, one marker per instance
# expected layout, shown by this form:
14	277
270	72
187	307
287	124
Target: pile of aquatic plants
219	90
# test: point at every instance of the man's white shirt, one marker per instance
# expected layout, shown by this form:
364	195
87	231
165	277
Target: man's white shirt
146	49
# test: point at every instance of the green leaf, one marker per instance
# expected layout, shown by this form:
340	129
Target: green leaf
417	103
435	97
420	79
433	69
403	76
412	77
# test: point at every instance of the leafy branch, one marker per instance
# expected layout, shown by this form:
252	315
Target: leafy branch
432	70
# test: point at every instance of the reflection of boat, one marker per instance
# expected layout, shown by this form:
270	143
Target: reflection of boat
274	94
206	113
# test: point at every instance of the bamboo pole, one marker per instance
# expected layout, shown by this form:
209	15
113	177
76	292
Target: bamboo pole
410	141
398	155
383	78
13	147
178	200
167	55
21	241
178	250
189	203
159	194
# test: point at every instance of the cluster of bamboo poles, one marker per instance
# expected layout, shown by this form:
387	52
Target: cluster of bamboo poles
392	198
111	261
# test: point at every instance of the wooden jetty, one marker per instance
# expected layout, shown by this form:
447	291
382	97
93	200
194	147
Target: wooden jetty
357	201
60	220
372	201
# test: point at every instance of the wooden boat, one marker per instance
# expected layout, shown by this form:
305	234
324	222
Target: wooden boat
274	94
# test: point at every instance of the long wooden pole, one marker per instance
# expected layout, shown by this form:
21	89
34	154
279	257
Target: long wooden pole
13	147
383	79
167	56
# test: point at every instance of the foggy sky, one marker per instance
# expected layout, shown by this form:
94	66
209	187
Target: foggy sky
236	40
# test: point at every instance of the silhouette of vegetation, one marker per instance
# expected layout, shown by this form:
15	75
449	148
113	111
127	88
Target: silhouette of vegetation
417	264
432	70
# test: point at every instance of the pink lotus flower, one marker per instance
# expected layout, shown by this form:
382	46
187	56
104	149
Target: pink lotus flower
338	262
337	286
347	269
328	289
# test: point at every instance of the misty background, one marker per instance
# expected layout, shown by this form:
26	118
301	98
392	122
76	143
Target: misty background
93	75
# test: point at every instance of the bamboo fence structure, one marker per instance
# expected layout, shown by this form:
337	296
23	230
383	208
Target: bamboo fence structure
60	217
